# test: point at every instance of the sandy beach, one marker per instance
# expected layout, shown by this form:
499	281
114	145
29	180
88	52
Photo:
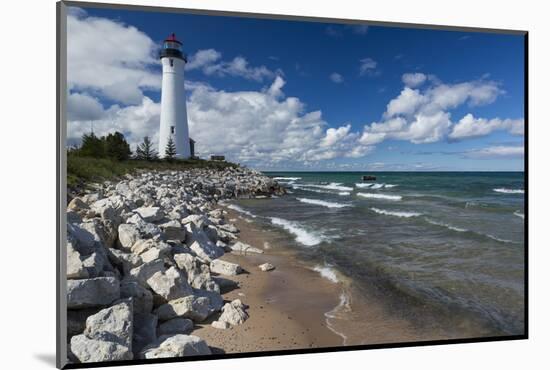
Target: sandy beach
287	306
295	306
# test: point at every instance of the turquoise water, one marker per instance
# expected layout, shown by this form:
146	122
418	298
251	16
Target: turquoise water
437	246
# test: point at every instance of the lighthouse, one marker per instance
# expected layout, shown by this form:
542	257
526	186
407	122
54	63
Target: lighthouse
173	110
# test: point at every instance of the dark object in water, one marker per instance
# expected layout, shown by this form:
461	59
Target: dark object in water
369	178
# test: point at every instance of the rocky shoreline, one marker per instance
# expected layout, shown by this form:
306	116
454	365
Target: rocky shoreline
145	263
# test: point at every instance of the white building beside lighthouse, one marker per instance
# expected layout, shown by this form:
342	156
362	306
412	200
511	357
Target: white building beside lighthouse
173	110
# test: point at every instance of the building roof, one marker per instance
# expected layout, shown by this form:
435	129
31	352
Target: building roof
173	38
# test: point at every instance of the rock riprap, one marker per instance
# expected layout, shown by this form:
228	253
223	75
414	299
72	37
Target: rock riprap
143	262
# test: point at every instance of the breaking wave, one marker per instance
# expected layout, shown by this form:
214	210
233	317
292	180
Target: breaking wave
450	227
302	235
362	185
301	187
519	214
323	203
327	272
397	214
380	196
509	191
344	193
332	186
240	210
287	178
500	240
460	230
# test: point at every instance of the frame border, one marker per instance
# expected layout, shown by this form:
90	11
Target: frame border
61	191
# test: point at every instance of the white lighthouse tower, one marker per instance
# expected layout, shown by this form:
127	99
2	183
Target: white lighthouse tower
173	110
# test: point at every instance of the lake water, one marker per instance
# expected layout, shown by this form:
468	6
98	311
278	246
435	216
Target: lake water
443	248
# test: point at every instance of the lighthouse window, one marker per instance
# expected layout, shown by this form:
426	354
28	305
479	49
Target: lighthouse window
172	45
172	129
171	62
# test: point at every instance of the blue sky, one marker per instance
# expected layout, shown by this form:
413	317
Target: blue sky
343	79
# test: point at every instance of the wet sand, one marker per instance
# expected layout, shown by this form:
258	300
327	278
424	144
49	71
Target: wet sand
287	306
294	307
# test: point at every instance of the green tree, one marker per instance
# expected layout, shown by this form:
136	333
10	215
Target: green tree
170	151
116	146
92	146
145	150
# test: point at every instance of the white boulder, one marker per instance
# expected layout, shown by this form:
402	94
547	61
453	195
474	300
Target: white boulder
191	307
128	234
75	268
93	350
243	248
169	284
225	268
234	313
142	297
112	324
266	267
200	244
150	214
179	345
175	326
144	272
94	292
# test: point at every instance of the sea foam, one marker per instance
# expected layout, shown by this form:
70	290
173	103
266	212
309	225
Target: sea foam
380	196
519	214
363	185
397	214
450	227
287	178
341	310
509	191
332	186
327	272
323	203
371	185
240	210
302	235
300	187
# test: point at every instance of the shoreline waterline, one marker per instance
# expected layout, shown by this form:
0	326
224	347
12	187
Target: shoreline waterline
350	317
419	250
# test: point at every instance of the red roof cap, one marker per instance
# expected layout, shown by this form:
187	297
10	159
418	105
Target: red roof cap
172	37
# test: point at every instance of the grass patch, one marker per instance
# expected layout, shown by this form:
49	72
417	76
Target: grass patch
84	170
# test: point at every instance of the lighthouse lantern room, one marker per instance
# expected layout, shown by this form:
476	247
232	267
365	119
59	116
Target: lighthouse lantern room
173	110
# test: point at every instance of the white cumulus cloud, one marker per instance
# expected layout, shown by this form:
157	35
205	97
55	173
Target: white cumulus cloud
210	63
498	151
134	122
336	78
109	58
413	79
367	66
424	115
259	128
469	126
83	107
264	127
203	58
